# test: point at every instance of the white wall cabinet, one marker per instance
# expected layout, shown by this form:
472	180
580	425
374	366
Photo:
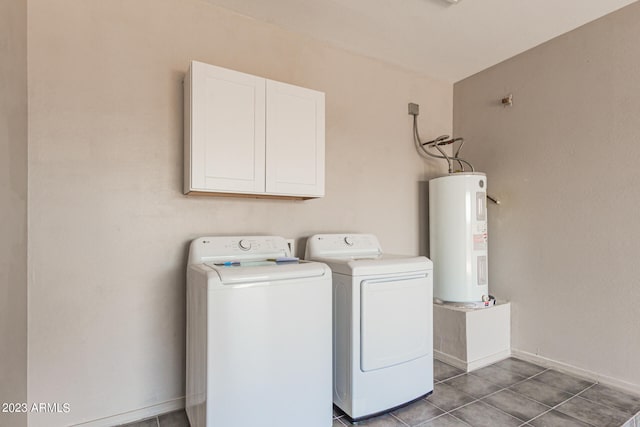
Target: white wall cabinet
250	136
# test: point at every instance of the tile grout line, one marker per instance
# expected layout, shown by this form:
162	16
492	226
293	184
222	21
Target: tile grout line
509	388
597	403
440	416
503	388
340	421
533	377
497	409
445	412
615	408
494	407
398	419
559	404
479	399
460	420
526	397
456	408
553	408
476	400
517	382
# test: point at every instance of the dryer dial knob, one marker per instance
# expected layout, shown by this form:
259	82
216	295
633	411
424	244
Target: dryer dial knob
348	240
245	245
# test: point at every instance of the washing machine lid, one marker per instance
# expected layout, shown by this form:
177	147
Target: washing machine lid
267	271
365	265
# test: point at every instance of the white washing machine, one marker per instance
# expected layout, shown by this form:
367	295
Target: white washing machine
258	335
382	323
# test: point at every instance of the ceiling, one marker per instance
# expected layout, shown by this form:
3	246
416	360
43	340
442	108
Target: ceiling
446	41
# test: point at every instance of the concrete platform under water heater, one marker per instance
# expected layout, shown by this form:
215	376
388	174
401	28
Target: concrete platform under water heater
471	338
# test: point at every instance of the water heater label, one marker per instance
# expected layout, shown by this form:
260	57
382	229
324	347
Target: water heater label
480	242
481	206
482	270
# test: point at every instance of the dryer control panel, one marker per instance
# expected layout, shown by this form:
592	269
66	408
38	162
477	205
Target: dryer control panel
327	245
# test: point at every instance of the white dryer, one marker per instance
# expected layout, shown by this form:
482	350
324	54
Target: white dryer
382	323
258	335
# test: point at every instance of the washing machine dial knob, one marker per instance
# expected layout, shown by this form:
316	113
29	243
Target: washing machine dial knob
245	245
348	241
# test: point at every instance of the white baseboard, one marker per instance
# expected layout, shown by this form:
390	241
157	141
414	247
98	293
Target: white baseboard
137	414
488	360
450	360
578	372
472	365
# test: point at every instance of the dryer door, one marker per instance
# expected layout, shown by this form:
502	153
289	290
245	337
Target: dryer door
395	320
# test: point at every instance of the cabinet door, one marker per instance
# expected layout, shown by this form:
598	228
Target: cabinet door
227	130
295	140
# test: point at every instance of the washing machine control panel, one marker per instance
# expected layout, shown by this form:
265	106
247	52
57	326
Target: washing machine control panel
237	248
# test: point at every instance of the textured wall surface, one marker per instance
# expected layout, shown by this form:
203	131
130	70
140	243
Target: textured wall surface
109	225
13	208
564	162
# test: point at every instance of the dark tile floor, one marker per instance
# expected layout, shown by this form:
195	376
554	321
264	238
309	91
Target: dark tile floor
514	393
511	392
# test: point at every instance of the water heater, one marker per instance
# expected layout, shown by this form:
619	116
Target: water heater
458	237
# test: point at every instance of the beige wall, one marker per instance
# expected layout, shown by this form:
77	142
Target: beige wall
13	207
109	226
564	161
